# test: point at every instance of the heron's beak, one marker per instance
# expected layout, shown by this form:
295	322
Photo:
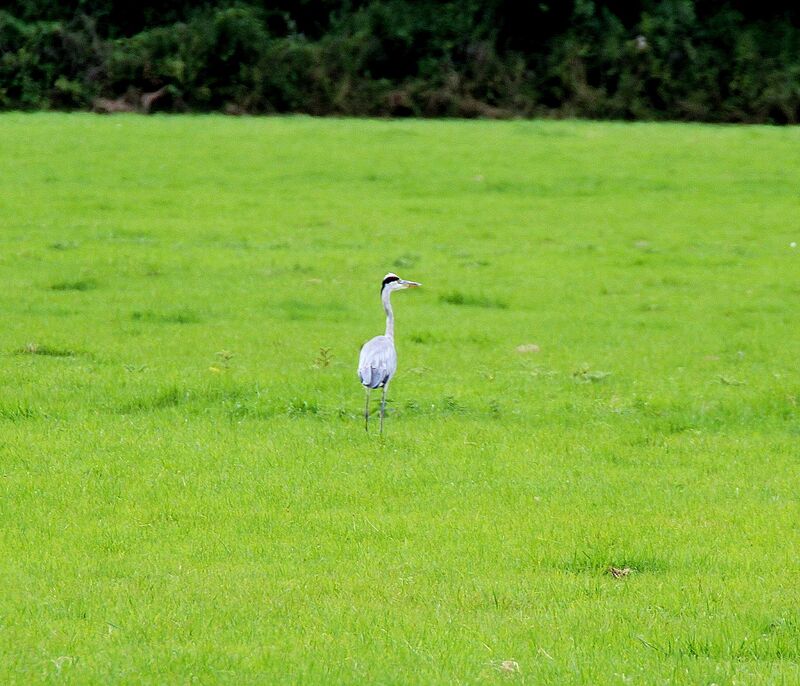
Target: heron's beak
410	284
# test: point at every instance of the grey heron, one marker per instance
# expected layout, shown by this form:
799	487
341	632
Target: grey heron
377	362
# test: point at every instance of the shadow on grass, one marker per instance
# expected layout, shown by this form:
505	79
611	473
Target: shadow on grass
237	402
77	285
599	561
775	641
245	402
168	397
424	338
176	317
301	310
45	350
16	413
716	414
458	298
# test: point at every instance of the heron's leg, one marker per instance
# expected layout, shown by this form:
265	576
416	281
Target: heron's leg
383	405
366	412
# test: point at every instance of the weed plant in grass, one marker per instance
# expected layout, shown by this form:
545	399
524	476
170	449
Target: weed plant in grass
590	467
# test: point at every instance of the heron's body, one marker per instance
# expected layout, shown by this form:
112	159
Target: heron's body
377	362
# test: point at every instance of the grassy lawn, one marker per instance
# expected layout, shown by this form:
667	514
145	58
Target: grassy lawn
187	493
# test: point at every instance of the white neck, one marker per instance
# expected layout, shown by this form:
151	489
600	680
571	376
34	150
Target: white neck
387	306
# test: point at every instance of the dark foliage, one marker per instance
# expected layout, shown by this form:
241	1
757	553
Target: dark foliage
667	59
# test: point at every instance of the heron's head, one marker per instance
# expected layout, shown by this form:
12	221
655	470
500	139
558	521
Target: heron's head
392	282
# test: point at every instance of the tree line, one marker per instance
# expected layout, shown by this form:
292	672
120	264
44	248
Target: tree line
696	60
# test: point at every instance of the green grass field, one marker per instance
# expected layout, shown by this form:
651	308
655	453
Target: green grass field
187	493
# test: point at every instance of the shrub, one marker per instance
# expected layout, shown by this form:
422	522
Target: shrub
674	59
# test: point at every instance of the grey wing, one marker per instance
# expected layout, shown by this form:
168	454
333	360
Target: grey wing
377	362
